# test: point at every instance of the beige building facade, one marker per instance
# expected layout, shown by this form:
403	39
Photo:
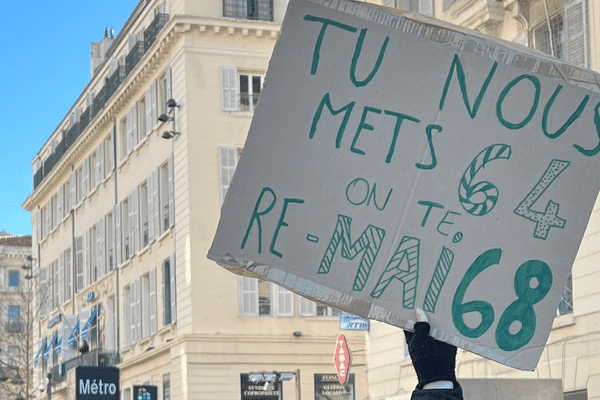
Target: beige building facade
126	199
567	30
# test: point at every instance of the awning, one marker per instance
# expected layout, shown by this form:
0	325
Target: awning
49	347
73	334
39	353
85	328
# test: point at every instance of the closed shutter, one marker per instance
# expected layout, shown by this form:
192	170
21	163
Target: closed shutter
152	300
88	254
129	129
171	191
127	314
101	233
285	302
61	272
228	159
38	225
150	209
426	7
249	296
79	283
135	206
72	190
42	298
138	309
155	216
173	288
168	84
229	88
133	311
49	216
148	105
154	107
117	233
60	198
85	178
576	33
110	161
55	284
100	163
308	308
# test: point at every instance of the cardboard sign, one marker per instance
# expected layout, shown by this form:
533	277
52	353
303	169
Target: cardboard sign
395	163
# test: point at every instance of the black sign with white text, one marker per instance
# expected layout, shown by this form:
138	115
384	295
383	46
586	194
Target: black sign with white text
97	383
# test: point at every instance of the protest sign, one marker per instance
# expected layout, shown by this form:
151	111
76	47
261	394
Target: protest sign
396	162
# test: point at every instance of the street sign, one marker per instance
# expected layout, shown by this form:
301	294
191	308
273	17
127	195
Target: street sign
145	392
349	322
97	383
327	387
255	386
342	358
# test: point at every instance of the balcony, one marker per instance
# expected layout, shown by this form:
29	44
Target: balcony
13	326
134	56
94	358
153	29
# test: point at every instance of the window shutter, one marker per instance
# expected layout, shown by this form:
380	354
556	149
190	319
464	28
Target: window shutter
308	308
127	314
173	288
132	307
72	190
55	283
576	33
79	283
85	173
150	210
42	303
60	195
88	253
229	88
131	232
129	130
117	233
138	309
228	159
154	103
136	219
249	296
148	105
426	7
168	83
155	216
131	41
49	216
152	297
171	191
61	272
99	167
101	232
38	225
285	302
109	162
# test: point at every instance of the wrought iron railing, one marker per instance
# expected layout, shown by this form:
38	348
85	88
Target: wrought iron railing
93	358
111	86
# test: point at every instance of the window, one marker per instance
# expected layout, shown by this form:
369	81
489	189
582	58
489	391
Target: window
285	302
66	274
567	36
141	112
79	266
108	155
125	228
55	219
228	159
78	185
239	91
566	301
13	354
66	190
550	44
110	245
123	152
248	9
92	257
14	314
419	6
149	303
13	279
144	214
127	314
93	331
167	387
55	284
93	171
151	110
169	291
111	323
309	308
162	95
167	214
257	298
250	86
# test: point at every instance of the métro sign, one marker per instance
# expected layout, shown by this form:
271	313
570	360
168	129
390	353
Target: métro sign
145	392
97	383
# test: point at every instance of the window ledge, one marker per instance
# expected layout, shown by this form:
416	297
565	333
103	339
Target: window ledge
141	144
123	163
142	251
92	192
125	264
247	114
563	320
162	237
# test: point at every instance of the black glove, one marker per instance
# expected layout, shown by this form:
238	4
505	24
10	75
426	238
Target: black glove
433	360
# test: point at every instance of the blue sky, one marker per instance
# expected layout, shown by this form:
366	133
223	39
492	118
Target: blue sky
45	65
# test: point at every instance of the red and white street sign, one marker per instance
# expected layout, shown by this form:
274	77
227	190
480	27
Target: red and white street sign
341	359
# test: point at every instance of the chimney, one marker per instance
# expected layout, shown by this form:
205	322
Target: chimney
99	49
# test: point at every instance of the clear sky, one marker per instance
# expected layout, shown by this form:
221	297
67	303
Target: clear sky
45	65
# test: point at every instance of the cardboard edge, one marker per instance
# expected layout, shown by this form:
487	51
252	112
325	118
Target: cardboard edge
347	303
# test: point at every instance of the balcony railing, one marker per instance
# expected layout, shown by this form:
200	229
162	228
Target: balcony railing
111	86
134	56
94	358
